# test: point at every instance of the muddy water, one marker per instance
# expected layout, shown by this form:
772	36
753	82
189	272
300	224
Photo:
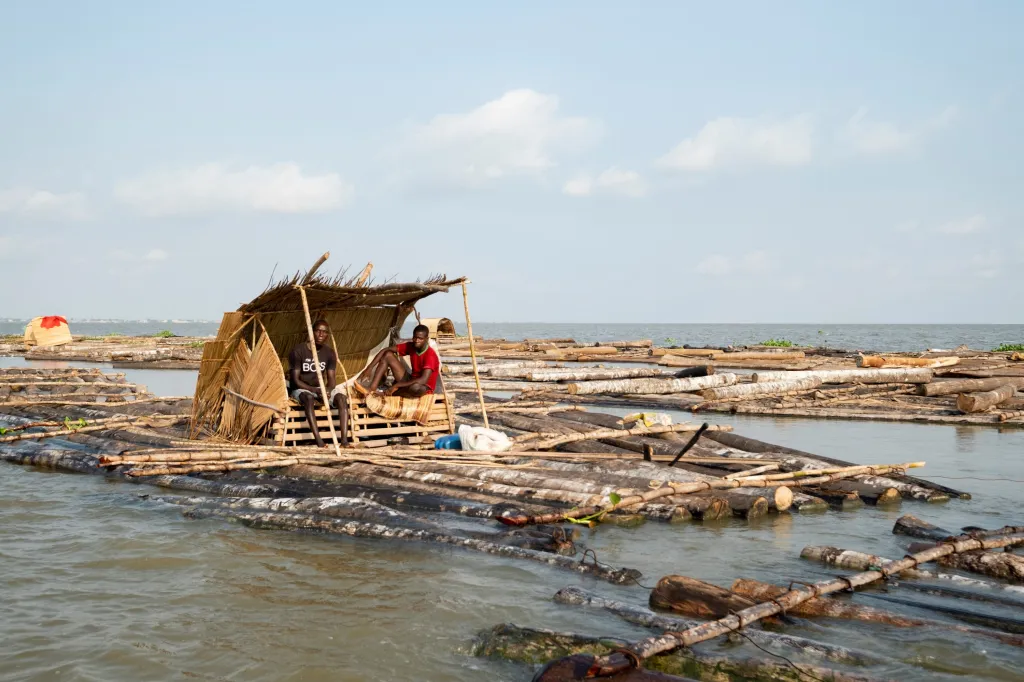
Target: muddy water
97	584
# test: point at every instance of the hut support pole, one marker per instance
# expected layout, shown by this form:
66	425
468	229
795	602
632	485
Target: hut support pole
472	355
319	373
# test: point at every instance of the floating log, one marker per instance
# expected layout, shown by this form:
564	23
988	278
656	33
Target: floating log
879	361
1001	623
851	376
911	526
956	593
696	598
639	343
278	521
979	402
652	386
877	494
768	450
691	352
859	561
764	388
638	615
1001	565
575	653
699	371
952	386
671	641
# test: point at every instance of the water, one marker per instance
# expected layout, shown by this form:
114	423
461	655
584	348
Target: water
884	337
97	584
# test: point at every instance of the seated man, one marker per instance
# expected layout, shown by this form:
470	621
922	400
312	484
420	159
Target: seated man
408	383
305	387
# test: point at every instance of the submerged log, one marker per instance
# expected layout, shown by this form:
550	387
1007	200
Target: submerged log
645	617
911	526
279	521
696	598
952	386
851	376
652	386
979	402
576	654
1001	565
1001	623
764	388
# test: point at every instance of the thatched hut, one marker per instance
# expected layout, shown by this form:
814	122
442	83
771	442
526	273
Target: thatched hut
51	330
441	328
242	383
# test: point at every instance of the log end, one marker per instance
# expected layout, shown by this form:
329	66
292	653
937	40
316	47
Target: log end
783	498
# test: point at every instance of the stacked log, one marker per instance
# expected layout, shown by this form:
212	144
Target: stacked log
850	376
652	386
969	403
760	389
879	361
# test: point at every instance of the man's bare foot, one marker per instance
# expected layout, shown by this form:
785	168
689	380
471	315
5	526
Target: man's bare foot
320	443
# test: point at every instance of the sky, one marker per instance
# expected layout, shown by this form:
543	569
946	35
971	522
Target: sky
796	162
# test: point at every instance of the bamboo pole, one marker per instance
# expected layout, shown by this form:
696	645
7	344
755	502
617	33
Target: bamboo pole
316	363
472	355
669	641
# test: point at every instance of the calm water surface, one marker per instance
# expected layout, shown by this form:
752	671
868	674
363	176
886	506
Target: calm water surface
97	584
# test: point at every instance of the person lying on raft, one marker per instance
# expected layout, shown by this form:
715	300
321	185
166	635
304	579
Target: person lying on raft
305	387
420	380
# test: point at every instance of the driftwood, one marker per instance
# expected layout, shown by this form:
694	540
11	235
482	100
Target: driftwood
850	376
639	615
764	388
670	641
651	386
979	402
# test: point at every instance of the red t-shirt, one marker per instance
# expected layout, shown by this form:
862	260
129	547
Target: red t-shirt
427	360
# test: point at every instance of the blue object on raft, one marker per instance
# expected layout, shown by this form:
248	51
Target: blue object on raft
450	442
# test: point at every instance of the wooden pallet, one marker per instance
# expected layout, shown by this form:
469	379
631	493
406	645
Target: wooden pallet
363	425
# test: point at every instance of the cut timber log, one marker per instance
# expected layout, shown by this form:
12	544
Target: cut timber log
1001	565
951	386
575	596
911	526
686	352
585	374
859	561
748	355
760	389
680	594
851	376
872	494
879	361
652	386
699	371
639	343
979	402
279	521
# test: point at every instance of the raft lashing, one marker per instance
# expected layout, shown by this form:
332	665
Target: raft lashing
569	468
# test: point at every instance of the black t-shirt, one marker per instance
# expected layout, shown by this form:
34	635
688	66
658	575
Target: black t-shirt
302	358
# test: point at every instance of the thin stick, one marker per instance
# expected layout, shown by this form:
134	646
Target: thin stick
670	641
252	402
472	355
316	366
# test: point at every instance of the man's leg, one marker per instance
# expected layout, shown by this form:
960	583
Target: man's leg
309	402
342	404
413	391
389	361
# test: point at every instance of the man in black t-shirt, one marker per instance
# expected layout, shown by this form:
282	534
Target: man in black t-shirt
305	387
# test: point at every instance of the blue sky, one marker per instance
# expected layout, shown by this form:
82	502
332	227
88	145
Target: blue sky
581	162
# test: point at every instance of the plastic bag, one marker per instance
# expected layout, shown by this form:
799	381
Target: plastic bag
648	419
479	438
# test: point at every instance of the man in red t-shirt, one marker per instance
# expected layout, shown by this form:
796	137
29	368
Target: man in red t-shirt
409	383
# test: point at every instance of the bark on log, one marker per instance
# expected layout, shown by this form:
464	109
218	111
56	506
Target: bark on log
760	389
850	376
651	386
859	561
952	386
755	355
911	526
353	508
979	402
574	596
686	352
638	343
872	494
696	598
267	520
585	374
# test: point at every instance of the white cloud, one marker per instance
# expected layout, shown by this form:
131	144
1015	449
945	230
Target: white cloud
625	183
975	223
986	265
750	263
861	135
521	132
41	204
737	142
156	254
213	187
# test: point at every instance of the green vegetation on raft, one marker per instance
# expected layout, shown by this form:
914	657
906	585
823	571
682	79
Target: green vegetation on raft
1008	348
165	334
777	343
